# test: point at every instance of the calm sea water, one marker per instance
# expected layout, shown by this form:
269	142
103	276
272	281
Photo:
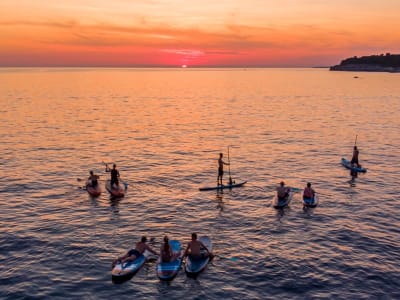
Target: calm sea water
164	128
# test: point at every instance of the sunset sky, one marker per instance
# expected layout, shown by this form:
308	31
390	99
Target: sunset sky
276	33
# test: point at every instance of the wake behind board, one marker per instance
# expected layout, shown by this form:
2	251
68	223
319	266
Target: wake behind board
281	203
310	202
121	273
168	270
221	187
93	191
195	266
115	192
347	164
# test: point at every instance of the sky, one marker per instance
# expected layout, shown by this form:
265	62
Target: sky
195	33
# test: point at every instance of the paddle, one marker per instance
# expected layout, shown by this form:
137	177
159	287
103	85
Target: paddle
229	168
355	142
227	258
81	187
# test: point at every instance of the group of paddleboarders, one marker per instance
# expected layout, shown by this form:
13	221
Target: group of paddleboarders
283	191
193	250
93	178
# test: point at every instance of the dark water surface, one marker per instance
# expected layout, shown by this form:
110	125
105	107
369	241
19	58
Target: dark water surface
165	129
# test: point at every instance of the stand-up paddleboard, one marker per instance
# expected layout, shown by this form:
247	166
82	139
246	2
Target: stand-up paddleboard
115	192
281	203
93	191
168	270
221	187
121	273
347	164
311	202
195	266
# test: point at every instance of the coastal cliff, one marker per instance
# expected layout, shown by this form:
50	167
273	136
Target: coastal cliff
373	63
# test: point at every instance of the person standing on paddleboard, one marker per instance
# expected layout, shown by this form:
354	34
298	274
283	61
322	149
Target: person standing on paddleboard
114	175
135	253
221	164
193	248
354	159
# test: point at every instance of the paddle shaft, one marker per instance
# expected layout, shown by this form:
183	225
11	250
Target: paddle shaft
229	168
355	142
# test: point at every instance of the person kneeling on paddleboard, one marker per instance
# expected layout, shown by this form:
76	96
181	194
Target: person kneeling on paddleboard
193	248
282	191
166	253
92	180
135	253
308	192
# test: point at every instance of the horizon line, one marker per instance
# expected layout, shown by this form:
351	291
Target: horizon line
169	67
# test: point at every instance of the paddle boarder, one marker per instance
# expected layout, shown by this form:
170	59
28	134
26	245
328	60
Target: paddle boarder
193	248
92	179
221	164
114	175
354	159
134	253
166	253
308	192
282	191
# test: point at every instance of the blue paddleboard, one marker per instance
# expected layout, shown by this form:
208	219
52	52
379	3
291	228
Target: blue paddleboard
281	203
347	164
168	270
193	267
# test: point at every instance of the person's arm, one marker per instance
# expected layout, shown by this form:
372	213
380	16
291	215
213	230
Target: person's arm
204	247
151	250
120	258
187	250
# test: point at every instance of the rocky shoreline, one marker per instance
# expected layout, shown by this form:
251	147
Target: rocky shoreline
375	63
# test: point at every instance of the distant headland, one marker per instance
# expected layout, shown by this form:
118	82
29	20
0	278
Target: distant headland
374	63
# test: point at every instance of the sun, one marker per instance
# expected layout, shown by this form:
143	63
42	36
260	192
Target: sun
184	66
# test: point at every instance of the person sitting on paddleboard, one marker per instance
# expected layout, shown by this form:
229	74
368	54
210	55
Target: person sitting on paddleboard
354	159
282	191
308	192
166	253
135	253
221	164
92	180
193	248
114	175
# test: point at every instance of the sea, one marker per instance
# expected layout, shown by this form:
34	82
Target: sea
165	129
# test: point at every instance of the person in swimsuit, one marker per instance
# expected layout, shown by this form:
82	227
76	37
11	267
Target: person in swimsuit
221	164
166	253
282	191
114	175
92	180
134	253
308	192
354	159
193	248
